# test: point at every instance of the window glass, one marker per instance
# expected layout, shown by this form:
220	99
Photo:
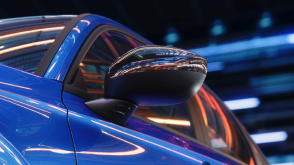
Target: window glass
221	128
175	116
24	49
25	40
105	50
26	62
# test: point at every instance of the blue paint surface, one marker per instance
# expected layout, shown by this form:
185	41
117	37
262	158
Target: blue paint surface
33	118
98	141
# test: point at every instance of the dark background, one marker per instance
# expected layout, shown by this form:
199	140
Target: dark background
263	72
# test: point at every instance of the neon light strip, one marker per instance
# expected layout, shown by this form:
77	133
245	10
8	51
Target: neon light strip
32	31
26	46
269	137
289	163
245	45
170	121
242	103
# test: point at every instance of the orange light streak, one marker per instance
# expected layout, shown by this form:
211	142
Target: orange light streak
198	100
225	122
75	114
51	150
88	22
32	31
26	46
25	104
60	109
123	153
76	29
206	97
26	108
131	41
148	141
251	162
15	85
110	45
170	121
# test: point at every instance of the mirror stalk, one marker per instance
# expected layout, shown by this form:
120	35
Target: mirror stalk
113	110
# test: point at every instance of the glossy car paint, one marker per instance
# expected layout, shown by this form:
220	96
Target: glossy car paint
152	130
69	48
33	118
100	142
9	154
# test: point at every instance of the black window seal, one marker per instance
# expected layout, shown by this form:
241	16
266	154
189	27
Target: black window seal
50	54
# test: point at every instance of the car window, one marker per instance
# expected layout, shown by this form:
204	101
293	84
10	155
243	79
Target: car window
176	117
108	47
105	50
24	41
222	130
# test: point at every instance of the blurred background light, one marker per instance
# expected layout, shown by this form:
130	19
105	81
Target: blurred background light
290	163
269	137
215	66
245	45
172	36
266	20
218	28
242	103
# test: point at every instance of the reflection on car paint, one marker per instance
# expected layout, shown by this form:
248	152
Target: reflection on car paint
138	149
92	138
34	118
15	85
148	141
9	154
31	74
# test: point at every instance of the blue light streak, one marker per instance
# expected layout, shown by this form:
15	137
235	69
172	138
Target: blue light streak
269	137
245	45
242	103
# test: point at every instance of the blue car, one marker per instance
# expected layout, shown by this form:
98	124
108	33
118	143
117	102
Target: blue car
87	90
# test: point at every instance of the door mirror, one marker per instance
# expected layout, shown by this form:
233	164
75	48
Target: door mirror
154	76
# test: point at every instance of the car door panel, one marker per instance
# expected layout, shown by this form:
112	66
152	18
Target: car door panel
33	118
97	140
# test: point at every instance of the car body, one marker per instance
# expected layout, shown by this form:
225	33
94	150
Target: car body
51	65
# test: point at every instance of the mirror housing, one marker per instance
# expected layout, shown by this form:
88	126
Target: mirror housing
149	76
155	76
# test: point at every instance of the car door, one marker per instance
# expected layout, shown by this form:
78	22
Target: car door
33	119
99	141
